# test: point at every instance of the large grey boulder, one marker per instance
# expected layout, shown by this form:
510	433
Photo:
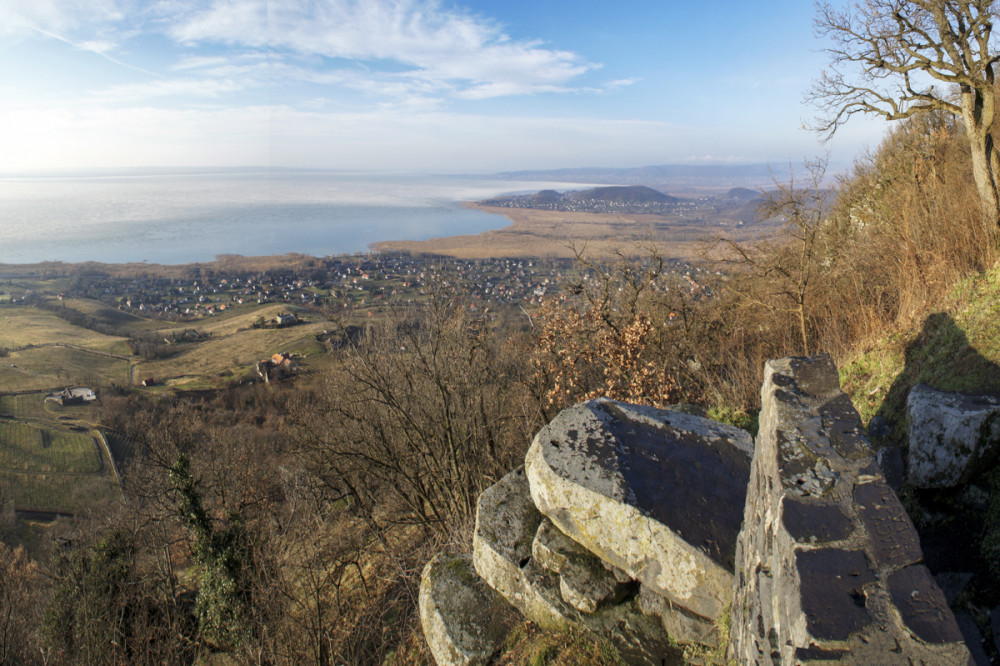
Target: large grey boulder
464	620
951	435
656	493
506	525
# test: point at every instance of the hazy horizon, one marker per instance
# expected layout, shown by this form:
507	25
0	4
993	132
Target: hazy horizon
468	87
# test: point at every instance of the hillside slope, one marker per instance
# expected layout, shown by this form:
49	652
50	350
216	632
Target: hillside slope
955	348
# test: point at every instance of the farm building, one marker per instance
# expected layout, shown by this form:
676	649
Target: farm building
276	367
73	396
284	319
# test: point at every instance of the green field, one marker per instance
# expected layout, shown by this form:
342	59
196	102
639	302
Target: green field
34	406
54	367
25	447
52	469
54	492
22	326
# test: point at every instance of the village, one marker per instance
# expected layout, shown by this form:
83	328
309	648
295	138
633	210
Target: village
346	283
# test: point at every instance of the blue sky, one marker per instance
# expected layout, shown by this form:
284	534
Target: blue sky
409	85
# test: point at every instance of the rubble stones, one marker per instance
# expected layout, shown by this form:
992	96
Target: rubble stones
656	493
890	459
584	582
951	435
502	556
682	625
464	620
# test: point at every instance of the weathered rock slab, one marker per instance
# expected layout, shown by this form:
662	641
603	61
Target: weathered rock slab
657	493
464	620
951	435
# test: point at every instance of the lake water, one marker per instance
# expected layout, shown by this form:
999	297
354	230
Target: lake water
179	216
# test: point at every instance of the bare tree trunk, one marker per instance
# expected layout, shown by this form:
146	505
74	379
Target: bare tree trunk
977	112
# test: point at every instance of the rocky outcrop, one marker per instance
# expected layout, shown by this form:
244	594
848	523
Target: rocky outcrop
951	435
829	564
464	620
506	533
657	494
643	525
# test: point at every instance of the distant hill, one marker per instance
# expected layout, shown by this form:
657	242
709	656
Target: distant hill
743	194
684	178
629	198
631	194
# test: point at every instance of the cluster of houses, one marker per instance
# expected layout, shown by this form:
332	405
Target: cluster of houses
348	282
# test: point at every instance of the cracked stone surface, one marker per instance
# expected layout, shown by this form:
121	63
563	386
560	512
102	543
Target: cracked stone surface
829	564
656	493
951	435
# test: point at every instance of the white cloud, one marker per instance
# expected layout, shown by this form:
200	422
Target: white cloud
407	53
185	88
21	18
442	48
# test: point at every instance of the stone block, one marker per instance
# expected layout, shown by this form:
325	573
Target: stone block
464	620
952	584
656	493
951	435
973	639
584	581
922	605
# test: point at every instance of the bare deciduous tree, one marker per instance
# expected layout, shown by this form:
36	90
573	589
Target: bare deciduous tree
784	274
886	58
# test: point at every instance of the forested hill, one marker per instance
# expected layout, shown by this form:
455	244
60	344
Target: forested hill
631	198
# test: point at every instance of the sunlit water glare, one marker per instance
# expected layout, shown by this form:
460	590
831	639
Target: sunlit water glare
185	217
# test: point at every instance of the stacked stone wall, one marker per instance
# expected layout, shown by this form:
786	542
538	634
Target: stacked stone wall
828	563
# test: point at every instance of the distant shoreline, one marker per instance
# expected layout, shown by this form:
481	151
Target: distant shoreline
561	234
530	233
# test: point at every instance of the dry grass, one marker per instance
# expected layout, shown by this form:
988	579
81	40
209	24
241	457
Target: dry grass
52	367
546	233
221	358
24	326
240	318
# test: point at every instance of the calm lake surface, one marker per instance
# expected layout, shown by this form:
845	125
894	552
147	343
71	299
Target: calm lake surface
185	216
